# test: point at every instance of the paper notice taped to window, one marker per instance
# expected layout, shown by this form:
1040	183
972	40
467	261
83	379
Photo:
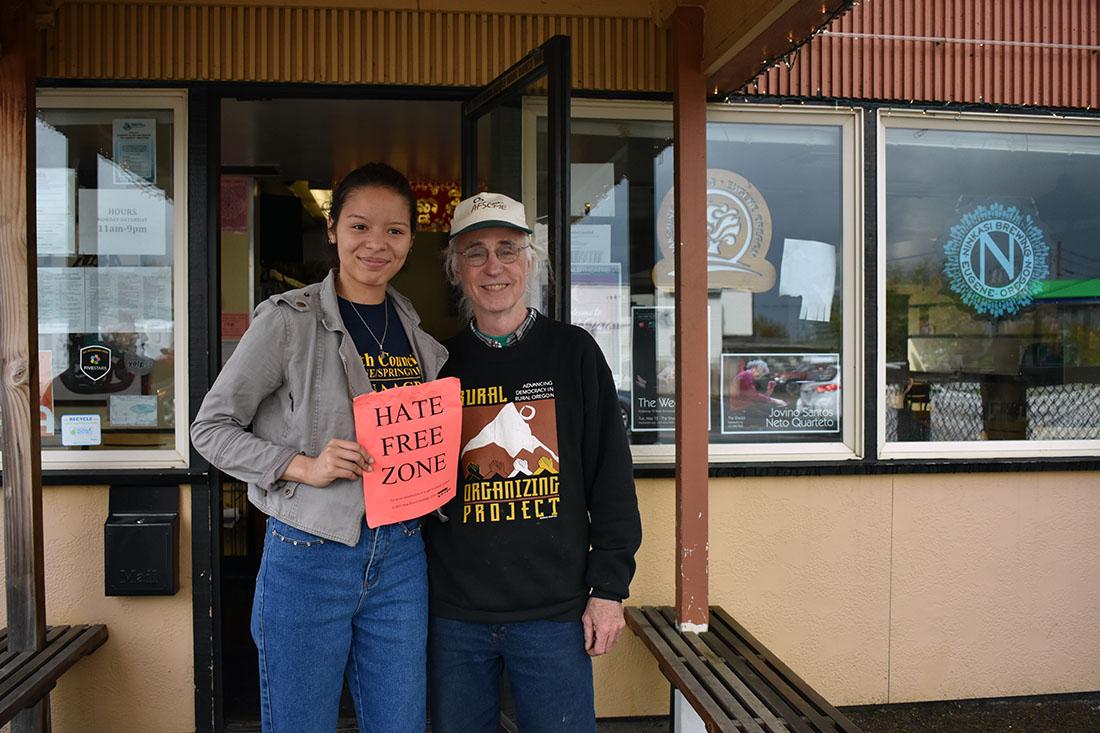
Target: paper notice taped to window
413	434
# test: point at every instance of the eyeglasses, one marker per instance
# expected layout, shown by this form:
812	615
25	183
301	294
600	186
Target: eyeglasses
478	255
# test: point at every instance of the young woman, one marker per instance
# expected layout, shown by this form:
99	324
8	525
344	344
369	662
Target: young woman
334	599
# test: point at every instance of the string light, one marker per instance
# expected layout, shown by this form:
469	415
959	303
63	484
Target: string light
790	55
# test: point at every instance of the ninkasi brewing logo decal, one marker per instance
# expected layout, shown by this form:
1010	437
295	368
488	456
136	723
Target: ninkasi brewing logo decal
996	256
739	233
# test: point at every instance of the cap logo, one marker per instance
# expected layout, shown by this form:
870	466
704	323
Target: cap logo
480	203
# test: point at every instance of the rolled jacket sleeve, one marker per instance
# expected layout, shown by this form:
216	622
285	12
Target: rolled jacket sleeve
254	371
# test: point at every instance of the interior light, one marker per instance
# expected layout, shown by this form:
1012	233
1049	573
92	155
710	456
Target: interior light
323	197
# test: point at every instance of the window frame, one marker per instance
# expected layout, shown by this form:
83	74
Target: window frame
850	121
138	99
890	117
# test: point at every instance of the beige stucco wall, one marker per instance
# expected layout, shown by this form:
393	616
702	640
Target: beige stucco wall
873	588
889	588
142	678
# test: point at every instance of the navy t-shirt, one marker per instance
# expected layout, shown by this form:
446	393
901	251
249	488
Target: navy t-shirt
392	365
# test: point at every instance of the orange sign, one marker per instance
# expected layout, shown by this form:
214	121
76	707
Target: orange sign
412	433
234	325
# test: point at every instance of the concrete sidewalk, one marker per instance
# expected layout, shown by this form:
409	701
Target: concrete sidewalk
1076	713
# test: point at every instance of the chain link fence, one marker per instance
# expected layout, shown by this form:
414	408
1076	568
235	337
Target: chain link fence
1055	412
1063	412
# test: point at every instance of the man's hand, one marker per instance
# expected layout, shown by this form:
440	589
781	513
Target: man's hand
603	622
340	459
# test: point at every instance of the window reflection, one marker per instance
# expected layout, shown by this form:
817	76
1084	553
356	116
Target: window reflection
992	289
776	216
105	244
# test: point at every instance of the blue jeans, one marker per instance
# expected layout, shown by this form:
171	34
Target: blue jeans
323	611
549	672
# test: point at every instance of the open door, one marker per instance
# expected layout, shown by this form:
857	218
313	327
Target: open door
499	128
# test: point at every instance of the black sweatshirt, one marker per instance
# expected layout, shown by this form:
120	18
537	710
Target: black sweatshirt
545	512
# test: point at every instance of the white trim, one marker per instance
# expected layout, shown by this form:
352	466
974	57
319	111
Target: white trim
111	459
852	293
992	449
176	101
986	121
962	122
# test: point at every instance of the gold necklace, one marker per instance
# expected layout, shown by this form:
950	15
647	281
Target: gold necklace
385	306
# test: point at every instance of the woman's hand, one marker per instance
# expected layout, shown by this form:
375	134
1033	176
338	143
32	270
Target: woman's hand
339	459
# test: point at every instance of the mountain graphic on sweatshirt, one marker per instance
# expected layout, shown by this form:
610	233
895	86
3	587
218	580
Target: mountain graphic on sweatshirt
509	445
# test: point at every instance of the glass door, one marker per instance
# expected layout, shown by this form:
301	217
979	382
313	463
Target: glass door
495	132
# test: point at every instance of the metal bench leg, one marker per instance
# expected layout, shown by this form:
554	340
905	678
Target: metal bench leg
684	718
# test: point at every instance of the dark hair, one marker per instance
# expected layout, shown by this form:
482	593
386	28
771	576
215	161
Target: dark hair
373	174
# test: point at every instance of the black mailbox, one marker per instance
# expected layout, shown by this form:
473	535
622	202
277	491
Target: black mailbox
141	539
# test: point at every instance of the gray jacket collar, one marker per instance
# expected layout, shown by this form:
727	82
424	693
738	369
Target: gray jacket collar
322	296
330	306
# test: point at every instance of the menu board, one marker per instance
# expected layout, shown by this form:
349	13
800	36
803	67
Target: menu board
104	300
55	211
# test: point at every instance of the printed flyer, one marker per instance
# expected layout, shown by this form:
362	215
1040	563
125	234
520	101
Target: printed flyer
653	386
412	433
135	148
596	304
46	418
780	393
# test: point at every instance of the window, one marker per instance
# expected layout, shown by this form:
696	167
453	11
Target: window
783	220
111	243
990	283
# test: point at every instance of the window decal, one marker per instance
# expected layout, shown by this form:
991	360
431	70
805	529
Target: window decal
996	257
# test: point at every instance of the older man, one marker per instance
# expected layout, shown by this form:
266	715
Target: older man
529	573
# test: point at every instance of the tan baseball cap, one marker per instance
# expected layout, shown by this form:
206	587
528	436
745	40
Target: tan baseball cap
485	210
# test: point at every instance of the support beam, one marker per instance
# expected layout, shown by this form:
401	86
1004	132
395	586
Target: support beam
19	346
692	360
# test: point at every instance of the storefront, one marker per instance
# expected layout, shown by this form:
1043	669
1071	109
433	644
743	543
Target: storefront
902	322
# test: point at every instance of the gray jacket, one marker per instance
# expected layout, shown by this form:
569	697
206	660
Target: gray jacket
293	378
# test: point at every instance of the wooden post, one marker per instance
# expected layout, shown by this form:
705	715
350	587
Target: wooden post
692	360
19	346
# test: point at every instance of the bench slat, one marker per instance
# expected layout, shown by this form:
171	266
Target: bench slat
11	660
36	660
674	669
771	676
732	680
666	626
819	703
774	699
726	669
36	679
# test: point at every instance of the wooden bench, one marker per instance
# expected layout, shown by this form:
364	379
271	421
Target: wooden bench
732	680
27	677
